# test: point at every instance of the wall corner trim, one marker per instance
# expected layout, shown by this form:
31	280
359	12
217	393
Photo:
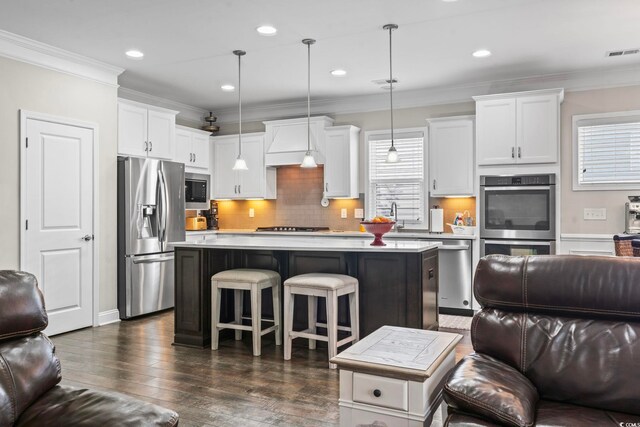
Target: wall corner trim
33	52
109	316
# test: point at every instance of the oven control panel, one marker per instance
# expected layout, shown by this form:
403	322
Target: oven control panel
517	180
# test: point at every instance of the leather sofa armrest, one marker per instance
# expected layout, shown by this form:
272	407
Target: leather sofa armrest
482	385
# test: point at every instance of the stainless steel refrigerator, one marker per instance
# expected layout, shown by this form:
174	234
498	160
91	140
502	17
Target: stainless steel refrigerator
150	217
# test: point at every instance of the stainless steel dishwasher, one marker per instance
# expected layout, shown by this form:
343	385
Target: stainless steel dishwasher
455	263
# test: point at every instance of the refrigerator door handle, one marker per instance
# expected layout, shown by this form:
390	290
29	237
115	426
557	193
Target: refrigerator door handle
150	259
162	226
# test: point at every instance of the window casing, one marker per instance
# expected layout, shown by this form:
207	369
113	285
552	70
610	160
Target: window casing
606	151
402	182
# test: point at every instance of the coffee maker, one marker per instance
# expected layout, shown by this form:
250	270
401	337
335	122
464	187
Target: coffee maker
632	215
212	215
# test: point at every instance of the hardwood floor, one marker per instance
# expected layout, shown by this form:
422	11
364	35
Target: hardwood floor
228	387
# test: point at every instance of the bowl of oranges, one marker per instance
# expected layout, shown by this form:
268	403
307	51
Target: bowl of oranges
378	226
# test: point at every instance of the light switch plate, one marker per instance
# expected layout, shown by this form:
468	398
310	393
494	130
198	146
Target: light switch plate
358	213
343	213
252	213
595	214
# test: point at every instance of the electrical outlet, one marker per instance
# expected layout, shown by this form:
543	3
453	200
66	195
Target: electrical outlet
595	214
343	213
252	213
358	213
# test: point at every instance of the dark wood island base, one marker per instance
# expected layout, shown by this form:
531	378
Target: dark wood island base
396	289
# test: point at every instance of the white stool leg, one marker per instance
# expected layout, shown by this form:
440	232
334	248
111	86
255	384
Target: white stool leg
354	307
332	325
238	295
312	302
288	321
215	314
277	320
256	318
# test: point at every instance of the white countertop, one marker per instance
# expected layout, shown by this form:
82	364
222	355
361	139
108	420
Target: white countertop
308	243
389	236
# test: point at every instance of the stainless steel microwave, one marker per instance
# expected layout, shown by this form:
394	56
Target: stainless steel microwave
518	207
196	191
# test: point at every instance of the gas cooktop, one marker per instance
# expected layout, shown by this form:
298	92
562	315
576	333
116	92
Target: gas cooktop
288	228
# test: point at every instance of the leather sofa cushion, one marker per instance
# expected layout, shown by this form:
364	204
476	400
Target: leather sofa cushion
21	305
554	414
70	406
581	361
566	285
28	368
483	385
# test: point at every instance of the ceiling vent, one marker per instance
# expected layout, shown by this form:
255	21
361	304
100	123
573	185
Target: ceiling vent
623	52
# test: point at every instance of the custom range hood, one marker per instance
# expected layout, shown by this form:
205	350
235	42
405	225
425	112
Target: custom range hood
286	140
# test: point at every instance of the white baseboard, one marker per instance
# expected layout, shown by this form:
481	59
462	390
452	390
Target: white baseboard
109	316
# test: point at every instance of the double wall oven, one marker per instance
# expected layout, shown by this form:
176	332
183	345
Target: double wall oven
518	215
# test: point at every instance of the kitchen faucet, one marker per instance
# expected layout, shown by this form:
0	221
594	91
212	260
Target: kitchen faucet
394	213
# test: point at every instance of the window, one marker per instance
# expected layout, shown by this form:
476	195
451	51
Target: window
607	151
401	182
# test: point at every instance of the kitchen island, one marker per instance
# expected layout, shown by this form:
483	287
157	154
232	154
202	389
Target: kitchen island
398	282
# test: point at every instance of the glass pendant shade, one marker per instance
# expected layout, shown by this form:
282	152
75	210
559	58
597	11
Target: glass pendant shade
240	165
392	155
308	161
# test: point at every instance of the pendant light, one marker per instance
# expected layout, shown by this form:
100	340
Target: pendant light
240	164
308	161
392	154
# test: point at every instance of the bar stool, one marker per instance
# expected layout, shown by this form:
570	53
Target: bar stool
330	287
254	281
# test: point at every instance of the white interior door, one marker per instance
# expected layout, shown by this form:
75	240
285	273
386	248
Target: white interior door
58	211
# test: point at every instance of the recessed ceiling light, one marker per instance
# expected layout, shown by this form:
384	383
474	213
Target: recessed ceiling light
228	88
481	53
267	30
134	53
339	72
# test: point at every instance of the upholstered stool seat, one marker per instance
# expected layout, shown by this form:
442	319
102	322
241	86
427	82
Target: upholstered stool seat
254	281
330	287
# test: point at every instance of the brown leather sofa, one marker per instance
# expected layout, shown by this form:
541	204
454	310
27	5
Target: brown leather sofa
30	372
557	343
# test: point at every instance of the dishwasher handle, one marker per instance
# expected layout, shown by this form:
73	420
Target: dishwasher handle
454	247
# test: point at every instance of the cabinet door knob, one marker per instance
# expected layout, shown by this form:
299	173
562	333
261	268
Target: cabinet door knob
377	393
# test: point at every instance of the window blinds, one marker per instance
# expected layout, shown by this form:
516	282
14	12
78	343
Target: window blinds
609	153
401	182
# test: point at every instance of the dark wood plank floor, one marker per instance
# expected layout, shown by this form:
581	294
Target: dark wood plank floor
228	387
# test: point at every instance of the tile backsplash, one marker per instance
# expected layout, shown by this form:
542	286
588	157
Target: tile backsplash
453	205
298	204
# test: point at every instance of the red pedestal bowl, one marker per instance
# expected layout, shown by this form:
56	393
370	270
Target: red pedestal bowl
378	229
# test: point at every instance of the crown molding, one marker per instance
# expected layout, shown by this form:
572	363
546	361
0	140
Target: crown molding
601	78
33	52
187	113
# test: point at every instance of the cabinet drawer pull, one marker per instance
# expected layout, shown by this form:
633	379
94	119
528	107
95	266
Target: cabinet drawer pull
326	187
434	184
150	146
513	152
377	393
519	153
239	189
146	146
194	157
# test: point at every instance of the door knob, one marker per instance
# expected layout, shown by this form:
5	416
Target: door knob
88	237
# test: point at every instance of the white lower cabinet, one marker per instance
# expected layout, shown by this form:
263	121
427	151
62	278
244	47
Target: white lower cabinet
258	182
451	156
192	149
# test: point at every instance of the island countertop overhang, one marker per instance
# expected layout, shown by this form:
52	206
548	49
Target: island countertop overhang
311	243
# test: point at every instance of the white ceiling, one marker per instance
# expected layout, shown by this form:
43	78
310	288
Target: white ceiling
188	43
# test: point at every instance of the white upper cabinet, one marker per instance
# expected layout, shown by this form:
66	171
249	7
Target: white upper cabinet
341	162
257	182
192	149
451	156
518	127
145	131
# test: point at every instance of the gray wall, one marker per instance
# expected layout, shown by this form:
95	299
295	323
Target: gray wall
28	87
